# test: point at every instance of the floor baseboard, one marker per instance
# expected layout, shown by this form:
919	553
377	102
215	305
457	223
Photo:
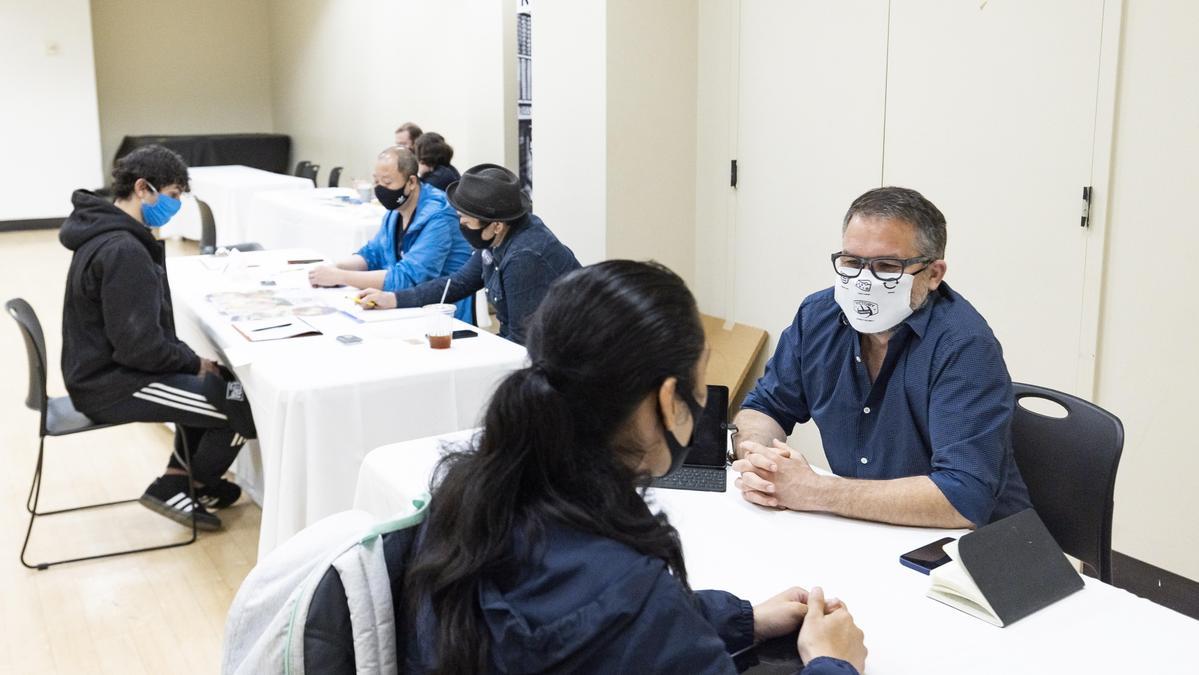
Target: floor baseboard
33	224
1156	584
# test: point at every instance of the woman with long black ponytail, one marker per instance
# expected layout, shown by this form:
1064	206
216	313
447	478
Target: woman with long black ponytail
539	554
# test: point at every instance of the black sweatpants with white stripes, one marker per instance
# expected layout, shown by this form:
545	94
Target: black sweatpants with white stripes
210	411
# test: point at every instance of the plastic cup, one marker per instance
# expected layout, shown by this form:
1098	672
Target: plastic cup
366	191
439	325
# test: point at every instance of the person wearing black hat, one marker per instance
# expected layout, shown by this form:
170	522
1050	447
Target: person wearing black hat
516	256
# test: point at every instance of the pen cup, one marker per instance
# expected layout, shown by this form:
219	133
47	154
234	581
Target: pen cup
439	325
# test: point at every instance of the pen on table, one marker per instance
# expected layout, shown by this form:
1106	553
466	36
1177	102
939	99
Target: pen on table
282	325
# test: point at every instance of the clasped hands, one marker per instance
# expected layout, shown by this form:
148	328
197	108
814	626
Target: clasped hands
779	477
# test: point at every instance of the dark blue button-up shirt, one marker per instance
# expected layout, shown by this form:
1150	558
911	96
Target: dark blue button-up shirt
516	274
941	405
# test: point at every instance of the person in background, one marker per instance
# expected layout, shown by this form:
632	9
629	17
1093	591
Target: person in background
903	377
516	256
418	239
434	156
538	554
406	135
121	359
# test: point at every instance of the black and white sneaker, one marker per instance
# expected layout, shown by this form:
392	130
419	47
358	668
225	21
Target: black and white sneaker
218	495
167	496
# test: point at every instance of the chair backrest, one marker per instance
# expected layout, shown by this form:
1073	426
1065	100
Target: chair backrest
335	177
207	228
1069	464
311	173
35	351
302	168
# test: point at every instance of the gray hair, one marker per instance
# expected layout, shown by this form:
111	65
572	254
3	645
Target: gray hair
906	205
405	160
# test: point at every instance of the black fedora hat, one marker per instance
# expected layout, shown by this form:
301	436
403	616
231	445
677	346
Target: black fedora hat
490	193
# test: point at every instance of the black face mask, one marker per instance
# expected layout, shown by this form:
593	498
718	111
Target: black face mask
475	237
678	451
391	199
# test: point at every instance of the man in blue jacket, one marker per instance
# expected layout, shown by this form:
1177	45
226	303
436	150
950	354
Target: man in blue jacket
417	241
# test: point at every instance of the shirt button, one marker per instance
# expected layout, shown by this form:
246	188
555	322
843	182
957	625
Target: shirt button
858	359
867	411
865	461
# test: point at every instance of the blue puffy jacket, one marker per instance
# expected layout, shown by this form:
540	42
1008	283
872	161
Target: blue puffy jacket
581	603
432	247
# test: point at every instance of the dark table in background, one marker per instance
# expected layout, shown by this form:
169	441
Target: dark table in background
269	152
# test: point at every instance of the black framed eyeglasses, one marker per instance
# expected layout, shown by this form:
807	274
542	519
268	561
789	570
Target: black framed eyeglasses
883	269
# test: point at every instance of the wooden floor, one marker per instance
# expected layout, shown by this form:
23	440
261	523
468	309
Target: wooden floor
159	612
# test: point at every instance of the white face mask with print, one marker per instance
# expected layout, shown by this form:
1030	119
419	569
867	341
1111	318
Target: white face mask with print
873	306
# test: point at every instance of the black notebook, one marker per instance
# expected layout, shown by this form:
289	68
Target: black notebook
1005	571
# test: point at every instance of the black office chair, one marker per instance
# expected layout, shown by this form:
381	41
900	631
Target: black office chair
1069	465
335	177
60	418
208	233
302	168
311	173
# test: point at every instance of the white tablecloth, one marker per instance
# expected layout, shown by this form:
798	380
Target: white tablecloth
313	219
229	191
756	552
319	405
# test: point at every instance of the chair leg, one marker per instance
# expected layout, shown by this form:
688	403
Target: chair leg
36	486
35	493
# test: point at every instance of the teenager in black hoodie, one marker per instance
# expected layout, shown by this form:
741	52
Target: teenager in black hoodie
121	359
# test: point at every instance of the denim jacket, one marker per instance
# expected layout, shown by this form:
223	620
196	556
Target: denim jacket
431	247
516	274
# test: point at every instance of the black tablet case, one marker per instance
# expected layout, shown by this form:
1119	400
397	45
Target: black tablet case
1018	566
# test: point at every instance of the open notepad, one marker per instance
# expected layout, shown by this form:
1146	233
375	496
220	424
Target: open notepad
1005	571
953	585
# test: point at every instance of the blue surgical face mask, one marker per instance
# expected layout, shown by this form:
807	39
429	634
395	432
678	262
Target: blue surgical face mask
161	211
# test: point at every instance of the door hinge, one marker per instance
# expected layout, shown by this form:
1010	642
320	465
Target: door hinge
733	173
1086	206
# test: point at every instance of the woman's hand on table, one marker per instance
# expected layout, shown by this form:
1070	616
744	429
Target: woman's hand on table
830	631
783	613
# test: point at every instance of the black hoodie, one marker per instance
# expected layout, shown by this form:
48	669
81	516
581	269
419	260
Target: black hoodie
118	331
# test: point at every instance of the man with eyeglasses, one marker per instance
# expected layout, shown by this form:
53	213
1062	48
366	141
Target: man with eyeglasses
903	377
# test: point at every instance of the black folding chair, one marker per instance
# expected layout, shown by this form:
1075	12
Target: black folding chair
208	232
1069	465
60	418
335	177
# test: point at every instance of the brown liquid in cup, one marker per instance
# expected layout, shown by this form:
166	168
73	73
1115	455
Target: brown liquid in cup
440	341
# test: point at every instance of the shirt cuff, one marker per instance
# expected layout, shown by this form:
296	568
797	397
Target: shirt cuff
827	665
965	493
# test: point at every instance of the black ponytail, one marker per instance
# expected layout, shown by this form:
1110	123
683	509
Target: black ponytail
551	449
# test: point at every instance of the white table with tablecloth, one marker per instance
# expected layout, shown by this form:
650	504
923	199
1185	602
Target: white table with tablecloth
332	221
756	552
229	192
320	405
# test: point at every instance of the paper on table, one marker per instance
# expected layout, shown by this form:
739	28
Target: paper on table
274	328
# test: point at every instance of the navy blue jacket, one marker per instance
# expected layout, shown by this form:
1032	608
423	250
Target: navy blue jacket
517	274
581	603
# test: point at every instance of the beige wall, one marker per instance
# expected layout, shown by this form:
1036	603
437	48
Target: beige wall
1147	370
49	111
651	132
570	150
614	128
347	73
177	67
